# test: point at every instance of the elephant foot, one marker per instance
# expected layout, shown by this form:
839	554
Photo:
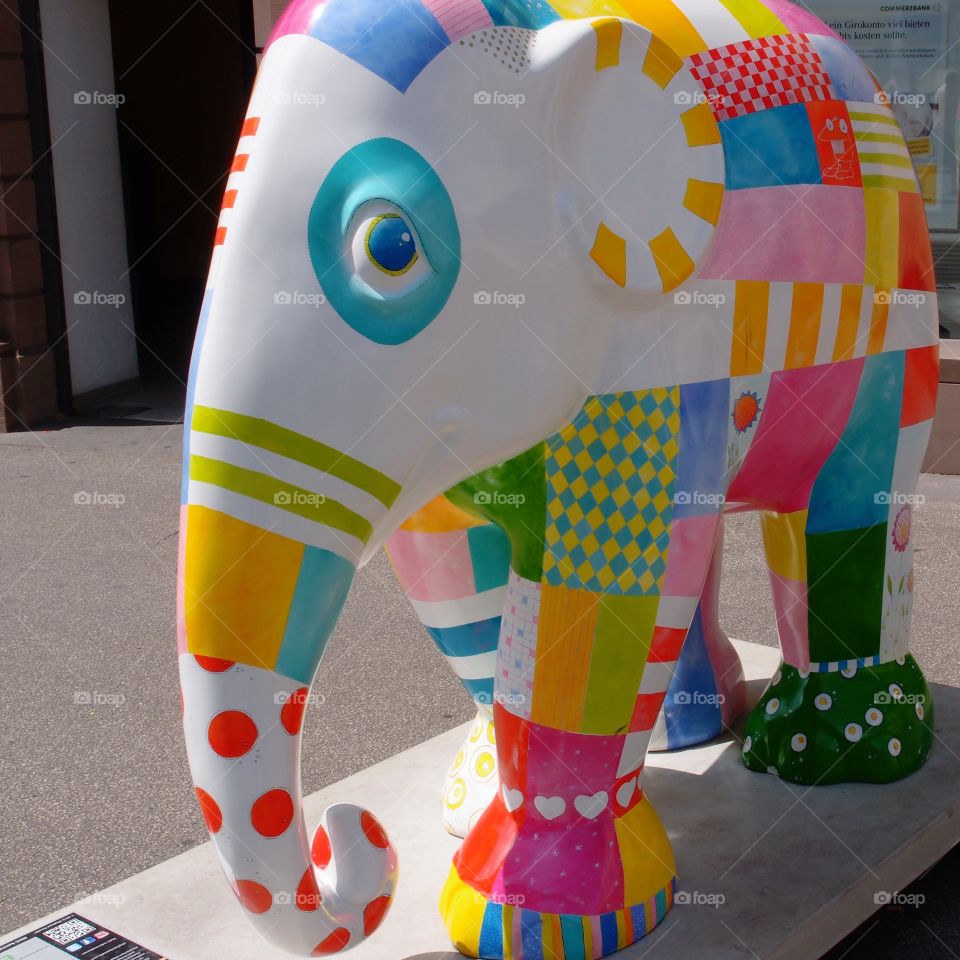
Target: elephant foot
471	781
575	885
859	723
707	694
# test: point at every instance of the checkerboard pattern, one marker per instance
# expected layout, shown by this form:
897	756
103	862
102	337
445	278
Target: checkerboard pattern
758	74
610	479
517	651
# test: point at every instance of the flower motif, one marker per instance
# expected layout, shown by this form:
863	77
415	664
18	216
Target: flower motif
746	409
901	529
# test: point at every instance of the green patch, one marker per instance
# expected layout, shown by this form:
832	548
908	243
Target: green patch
845	593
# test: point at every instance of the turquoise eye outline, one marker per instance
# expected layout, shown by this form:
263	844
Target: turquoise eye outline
393	173
408	238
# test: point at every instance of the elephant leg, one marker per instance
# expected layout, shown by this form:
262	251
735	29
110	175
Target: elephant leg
570	858
453	567
849	702
707	694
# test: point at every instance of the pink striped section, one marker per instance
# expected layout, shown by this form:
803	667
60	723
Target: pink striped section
459	17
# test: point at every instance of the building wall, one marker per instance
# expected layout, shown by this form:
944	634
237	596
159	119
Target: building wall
78	64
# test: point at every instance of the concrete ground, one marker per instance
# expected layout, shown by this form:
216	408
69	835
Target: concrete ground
94	774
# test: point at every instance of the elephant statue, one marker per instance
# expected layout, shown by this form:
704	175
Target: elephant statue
595	272
458	594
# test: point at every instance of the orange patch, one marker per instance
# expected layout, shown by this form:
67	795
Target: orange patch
921	377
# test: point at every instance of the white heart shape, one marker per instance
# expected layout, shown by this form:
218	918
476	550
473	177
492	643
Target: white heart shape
512	799
625	791
591	807
550	807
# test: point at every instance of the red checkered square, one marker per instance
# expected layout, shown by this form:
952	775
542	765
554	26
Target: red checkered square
759	74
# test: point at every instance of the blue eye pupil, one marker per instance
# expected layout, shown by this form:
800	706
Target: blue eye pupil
390	244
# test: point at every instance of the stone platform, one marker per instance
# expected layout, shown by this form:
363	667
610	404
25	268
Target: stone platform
768	869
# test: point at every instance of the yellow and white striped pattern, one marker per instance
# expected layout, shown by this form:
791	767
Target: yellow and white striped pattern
884	157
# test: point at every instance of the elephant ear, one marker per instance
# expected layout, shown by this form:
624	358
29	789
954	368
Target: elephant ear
639	149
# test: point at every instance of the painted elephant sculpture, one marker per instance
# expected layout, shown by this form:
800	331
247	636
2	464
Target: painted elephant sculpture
595	272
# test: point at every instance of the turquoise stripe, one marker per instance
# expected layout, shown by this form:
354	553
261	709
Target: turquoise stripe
322	587
571	927
661	905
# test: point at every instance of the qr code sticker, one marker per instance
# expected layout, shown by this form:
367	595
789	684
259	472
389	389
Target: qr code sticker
68	931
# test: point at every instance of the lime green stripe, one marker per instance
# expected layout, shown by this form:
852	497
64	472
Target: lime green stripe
295	446
286	496
881	138
887	159
873	118
890	183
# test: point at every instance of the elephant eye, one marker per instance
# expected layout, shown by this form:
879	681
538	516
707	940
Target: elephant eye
387	255
390	244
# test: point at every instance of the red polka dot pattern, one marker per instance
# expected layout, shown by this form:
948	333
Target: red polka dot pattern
272	813
375	833
373	914
214	664
210	810
291	714
320	850
254	896
336	941
232	733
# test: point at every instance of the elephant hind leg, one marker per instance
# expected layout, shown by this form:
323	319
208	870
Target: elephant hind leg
849	702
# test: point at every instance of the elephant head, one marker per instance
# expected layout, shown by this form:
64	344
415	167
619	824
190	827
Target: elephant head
436	236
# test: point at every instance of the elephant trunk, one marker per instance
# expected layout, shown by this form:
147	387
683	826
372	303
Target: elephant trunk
243	719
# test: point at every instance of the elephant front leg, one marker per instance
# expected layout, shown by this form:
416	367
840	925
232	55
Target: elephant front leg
570	858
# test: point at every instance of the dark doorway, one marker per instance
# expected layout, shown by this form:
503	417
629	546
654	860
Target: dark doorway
185	69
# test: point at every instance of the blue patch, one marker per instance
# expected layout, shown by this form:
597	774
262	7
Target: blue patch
390	244
394	40
529	14
322	587
491	933
849	78
702	456
608	932
770	148
690	707
531	935
481	690
490	554
850	490
384	169
468	639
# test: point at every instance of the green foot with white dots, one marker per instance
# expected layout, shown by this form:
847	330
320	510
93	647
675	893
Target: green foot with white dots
860	724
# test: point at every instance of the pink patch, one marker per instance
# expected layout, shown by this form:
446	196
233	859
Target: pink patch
812	233
798	20
181	583
790	601
433	566
298	18
804	417
691	543
459	17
